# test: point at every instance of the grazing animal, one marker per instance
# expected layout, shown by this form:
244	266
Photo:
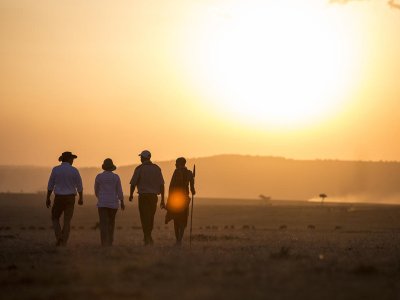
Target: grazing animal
311	227
283	227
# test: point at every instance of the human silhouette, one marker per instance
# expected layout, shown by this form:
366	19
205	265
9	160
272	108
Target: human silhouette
65	181
149	181
178	198
108	190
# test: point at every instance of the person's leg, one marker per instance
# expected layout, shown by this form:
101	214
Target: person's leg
68	213
181	232
183	221
142	212
111	225
152	207
103	225
176	228
56	212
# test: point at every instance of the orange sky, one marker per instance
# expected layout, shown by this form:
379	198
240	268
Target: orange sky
106	79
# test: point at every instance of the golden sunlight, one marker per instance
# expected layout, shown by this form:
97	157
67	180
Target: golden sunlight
277	64
177	201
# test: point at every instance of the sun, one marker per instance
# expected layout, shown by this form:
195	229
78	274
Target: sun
274	63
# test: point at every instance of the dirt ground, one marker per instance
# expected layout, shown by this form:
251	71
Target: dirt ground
278	251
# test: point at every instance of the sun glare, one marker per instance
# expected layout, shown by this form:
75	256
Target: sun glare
177	201
279	64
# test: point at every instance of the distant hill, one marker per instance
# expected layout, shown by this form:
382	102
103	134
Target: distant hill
237	176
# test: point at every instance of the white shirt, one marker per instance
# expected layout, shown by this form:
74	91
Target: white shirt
108	190
148	178
65	180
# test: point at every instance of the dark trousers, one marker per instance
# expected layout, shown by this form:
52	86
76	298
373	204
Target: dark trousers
62	204
107	224
147	210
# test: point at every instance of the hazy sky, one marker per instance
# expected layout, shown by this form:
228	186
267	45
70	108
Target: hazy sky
301	79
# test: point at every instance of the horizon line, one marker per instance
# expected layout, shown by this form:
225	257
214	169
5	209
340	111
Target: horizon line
219	155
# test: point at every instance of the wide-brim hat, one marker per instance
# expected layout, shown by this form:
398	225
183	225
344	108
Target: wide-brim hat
145	154
108	165
67	155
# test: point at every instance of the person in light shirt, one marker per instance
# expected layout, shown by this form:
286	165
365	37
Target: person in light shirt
65	181
108	190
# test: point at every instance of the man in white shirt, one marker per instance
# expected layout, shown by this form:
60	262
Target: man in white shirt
65	181
148	178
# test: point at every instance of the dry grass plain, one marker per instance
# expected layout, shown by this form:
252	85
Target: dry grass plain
282	251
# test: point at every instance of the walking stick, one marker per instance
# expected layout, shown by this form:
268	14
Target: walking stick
191	214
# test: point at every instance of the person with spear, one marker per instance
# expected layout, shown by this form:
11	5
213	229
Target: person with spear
178	200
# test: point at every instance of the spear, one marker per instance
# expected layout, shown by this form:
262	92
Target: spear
191	215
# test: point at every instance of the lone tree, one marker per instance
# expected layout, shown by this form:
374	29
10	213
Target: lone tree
323	196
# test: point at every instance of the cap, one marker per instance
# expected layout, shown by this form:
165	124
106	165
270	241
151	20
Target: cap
145	154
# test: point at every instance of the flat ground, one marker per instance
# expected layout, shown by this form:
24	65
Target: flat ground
280	251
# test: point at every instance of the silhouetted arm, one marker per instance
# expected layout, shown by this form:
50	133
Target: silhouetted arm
132	190
120	193
191	183
96	187
80	201
50	188
48	201
134	182
162	188
79	187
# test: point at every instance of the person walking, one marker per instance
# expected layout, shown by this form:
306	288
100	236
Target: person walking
149	181
178	198
108	190
65	181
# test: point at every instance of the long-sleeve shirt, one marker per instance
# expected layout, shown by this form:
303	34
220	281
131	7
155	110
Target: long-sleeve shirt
108	190
65	180
148	178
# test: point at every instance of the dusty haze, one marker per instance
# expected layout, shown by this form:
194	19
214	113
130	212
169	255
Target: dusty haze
236	176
